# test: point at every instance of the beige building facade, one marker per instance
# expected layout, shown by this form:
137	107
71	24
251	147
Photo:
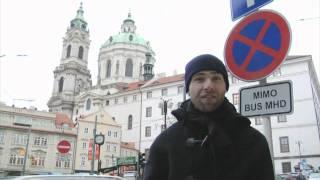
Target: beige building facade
31	136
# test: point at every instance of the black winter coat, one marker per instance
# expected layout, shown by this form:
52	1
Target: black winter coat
209	146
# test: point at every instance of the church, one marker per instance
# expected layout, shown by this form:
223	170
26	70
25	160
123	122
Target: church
140	101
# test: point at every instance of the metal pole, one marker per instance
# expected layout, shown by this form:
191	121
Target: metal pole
267	130
93	146
165	113
26	153
140	126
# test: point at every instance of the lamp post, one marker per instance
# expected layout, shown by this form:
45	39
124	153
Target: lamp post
27	146
165	105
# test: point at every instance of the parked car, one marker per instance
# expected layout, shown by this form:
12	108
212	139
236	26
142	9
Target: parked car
314	176
69	177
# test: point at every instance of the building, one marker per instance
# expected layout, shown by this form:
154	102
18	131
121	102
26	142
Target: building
107	152
31	136
134	97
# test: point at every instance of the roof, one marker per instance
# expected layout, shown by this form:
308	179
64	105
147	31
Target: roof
128	38
63	119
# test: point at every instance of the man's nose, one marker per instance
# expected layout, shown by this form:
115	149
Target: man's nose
208	84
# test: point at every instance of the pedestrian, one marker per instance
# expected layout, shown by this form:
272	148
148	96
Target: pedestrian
210	140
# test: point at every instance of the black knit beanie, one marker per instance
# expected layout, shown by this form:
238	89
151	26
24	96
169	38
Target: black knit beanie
205	62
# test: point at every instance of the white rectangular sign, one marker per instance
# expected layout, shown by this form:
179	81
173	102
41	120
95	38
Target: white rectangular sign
268	99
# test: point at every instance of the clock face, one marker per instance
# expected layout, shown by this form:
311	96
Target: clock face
99	139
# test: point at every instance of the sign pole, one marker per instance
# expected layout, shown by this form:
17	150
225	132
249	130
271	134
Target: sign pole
267	130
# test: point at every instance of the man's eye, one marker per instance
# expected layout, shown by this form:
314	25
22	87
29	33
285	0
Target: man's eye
198	79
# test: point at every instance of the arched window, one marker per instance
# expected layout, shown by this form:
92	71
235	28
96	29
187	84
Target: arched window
108	69
130	122
88	104
80	53
129	68
68	51
61	84
117	68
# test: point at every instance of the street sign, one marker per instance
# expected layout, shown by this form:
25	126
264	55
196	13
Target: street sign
241	8
257	45
63	146
126	160
268	99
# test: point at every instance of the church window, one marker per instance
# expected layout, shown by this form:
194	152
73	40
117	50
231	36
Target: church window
129	68
80	53
88	105
61	84
117	68
130	37
108	69
68	51
130	122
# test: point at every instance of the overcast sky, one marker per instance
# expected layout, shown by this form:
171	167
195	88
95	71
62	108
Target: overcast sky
178	30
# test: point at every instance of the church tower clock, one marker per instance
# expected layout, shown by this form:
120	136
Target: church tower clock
72	75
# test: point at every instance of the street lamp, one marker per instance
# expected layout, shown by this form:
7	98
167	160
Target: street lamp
27	145
164	105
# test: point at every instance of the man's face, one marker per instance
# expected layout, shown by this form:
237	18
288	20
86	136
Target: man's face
207	90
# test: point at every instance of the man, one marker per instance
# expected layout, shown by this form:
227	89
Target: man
210	141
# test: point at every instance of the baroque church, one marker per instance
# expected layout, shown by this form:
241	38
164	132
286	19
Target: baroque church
124	58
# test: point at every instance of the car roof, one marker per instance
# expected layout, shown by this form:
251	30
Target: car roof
68	177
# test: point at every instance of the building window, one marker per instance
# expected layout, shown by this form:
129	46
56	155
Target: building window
134	97
258	120
115	134
88	104
235	98
1	137
164	92
84	145
284	144
125	99
61	84
148	111
83	161
107	102
130	122
117	68
286	167
115	100
277	72
108	72
149	94
86	130
109	133
68	51
37	160
40	141
80	53
282	118
180	89
16	159
129	68
148	131
19	139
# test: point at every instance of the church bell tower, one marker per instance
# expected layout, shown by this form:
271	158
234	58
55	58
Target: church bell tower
72	74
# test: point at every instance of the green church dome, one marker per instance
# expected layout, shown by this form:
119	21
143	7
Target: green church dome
127	38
